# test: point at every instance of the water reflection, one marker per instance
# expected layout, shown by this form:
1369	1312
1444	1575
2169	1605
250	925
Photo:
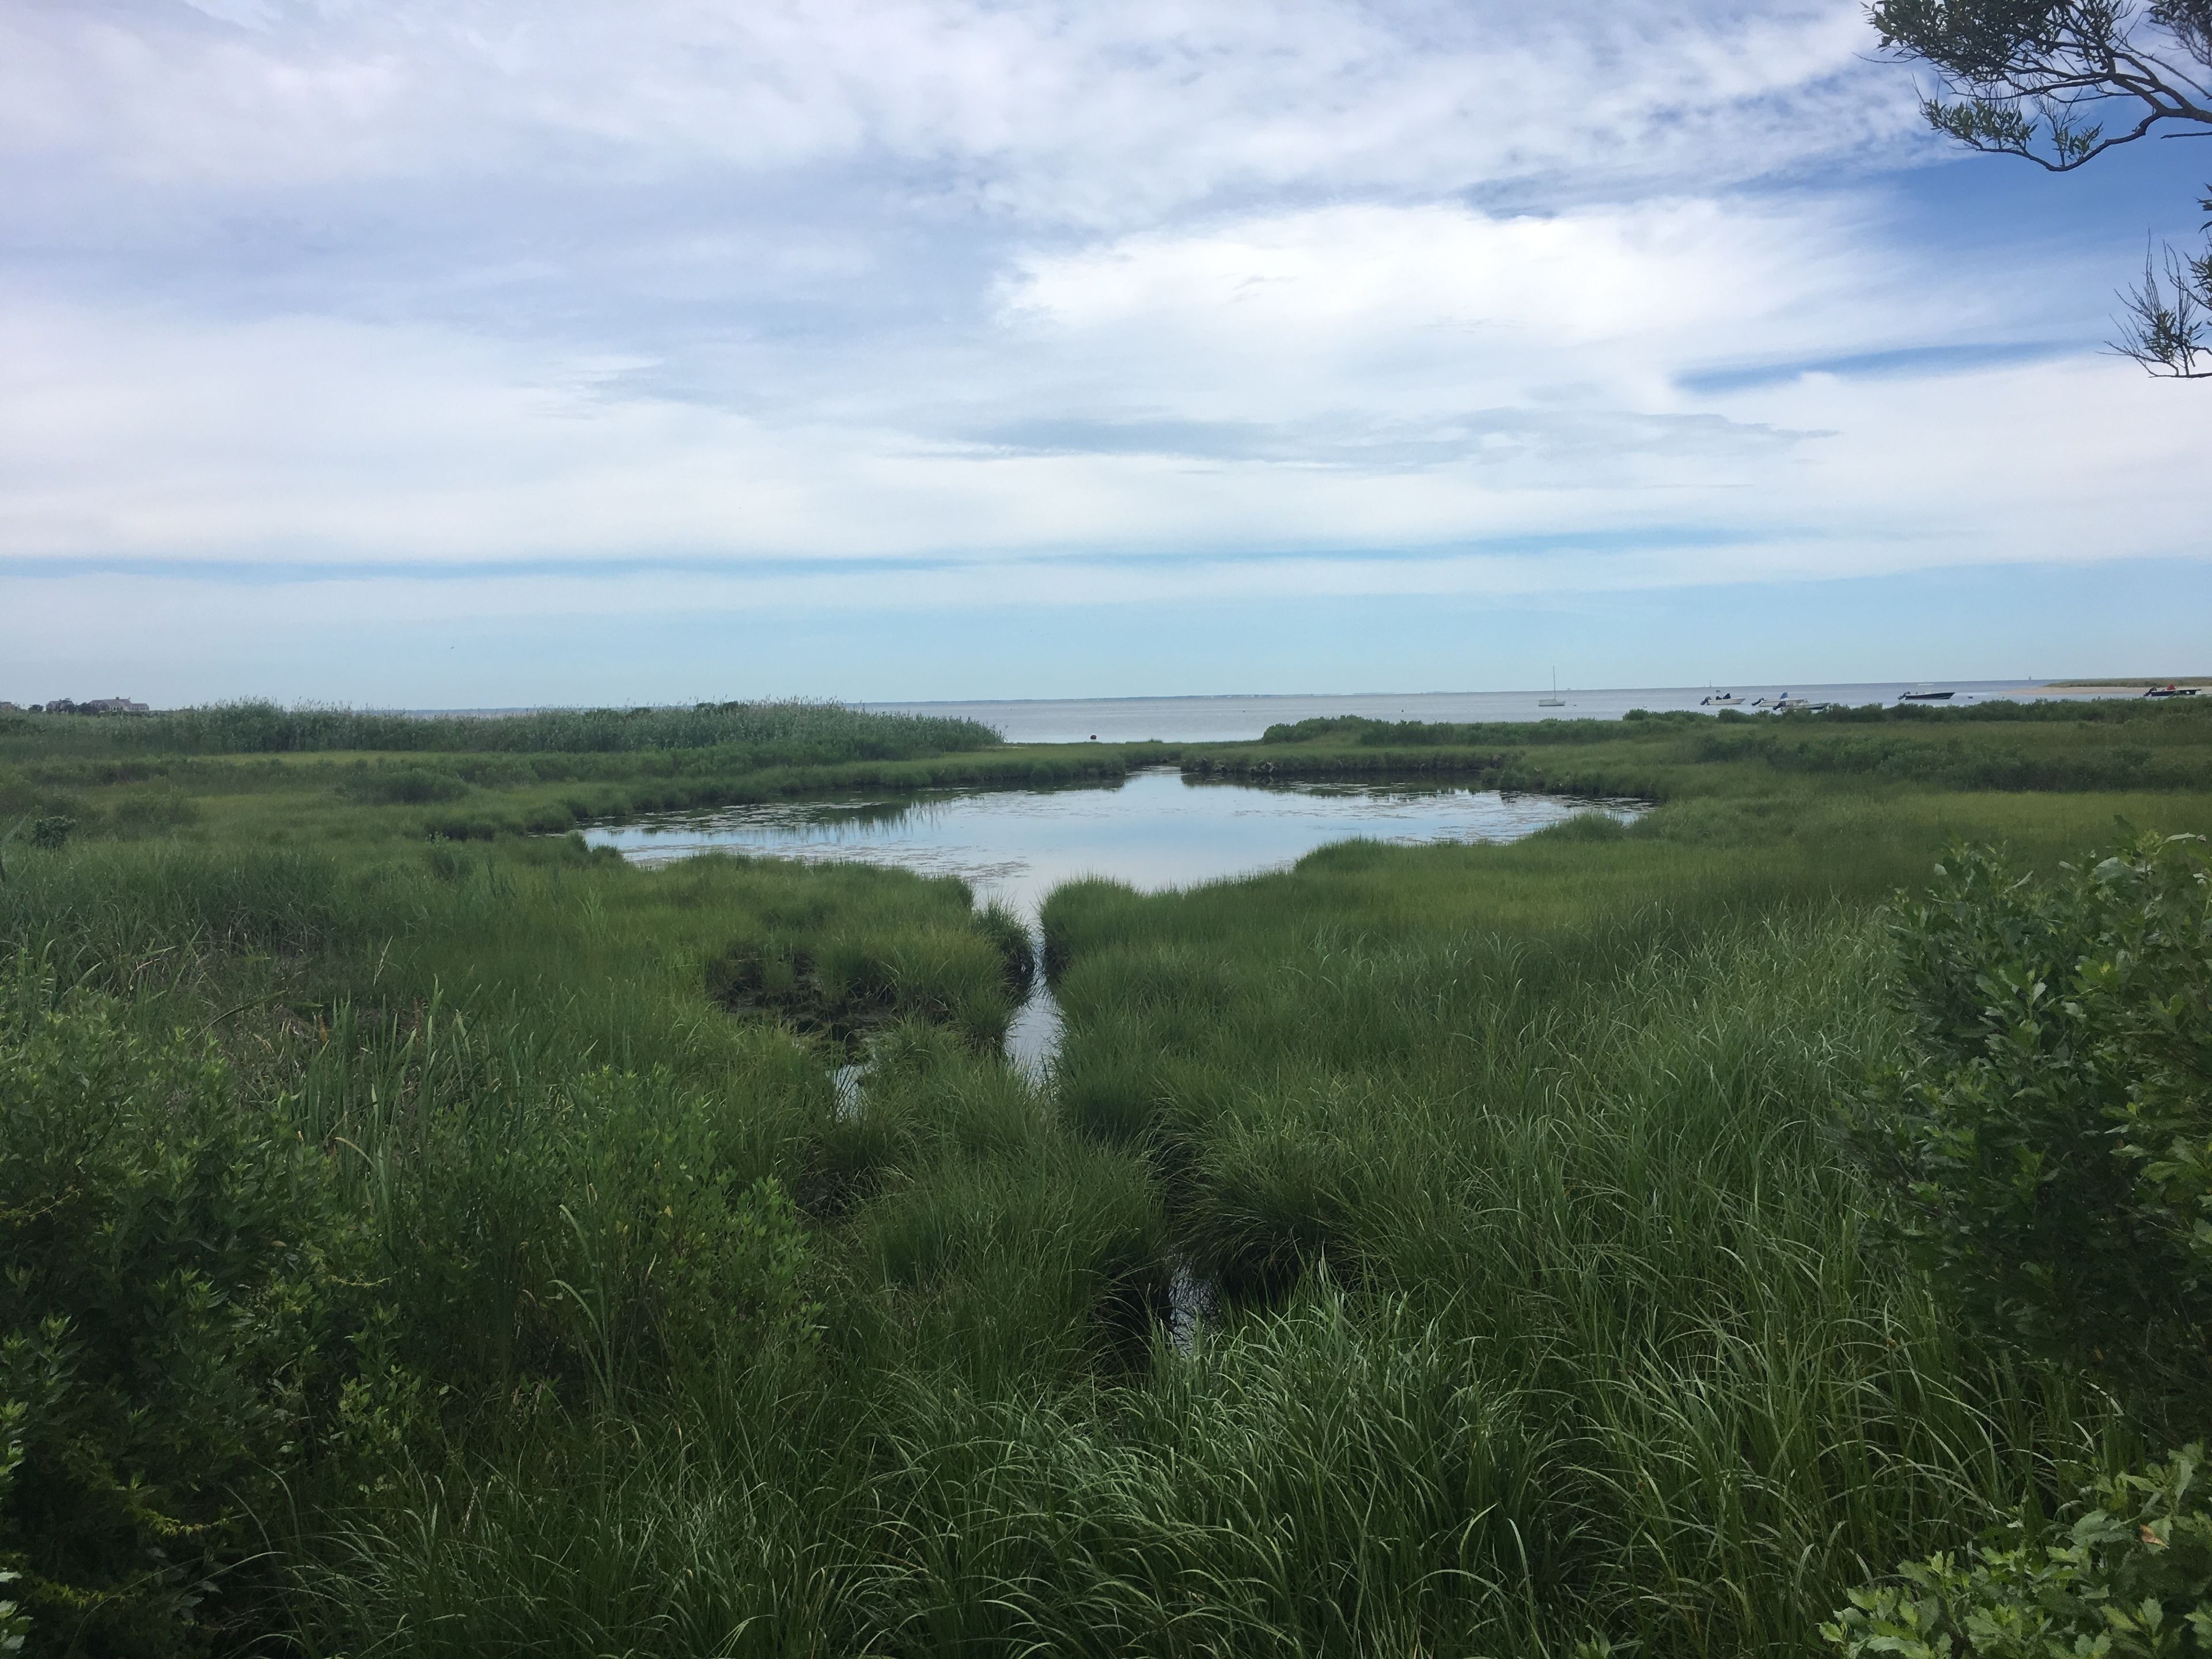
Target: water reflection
1154	831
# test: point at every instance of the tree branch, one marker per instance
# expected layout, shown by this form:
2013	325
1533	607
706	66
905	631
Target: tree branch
2164	323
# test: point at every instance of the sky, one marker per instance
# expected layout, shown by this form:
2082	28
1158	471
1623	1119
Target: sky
469	353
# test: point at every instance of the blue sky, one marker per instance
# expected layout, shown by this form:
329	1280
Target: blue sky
487	352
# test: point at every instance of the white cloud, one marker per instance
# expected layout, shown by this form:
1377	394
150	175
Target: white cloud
1068	111
1042	303
1352	377
1439	306
306	441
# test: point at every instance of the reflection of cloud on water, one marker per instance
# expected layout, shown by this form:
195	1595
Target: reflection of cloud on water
1155	830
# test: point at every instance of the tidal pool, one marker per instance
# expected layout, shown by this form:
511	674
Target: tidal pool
1153	832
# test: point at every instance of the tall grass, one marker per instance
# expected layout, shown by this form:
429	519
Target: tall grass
1542	1306
2053	745
1592	1344
792	732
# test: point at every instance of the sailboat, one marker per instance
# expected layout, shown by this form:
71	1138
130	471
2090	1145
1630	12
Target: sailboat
1555	701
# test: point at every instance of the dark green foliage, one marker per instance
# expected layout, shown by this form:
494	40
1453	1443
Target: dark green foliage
2129	1577
2052	1132
175	1283
51	832
1977	39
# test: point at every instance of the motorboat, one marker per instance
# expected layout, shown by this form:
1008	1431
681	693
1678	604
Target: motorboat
1721	700
2170	691
1924	695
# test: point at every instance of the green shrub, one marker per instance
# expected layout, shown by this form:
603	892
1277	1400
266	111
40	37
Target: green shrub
166	1318
2130	1579
52	831
2050	1133
15	1624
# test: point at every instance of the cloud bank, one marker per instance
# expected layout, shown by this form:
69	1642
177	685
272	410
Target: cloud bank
507	311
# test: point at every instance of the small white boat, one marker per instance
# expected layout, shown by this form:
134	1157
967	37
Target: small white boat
1555	701
1721	700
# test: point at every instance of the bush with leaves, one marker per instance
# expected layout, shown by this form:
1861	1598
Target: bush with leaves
15	1624
2128	1577
167	1311
2050	1131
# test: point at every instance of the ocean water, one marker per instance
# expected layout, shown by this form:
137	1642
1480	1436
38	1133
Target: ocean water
1233	719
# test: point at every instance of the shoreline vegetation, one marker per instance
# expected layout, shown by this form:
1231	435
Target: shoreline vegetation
427	1234
2064	688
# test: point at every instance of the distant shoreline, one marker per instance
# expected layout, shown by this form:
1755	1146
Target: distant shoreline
2092	688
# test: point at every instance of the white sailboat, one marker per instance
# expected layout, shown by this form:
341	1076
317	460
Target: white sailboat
1555	701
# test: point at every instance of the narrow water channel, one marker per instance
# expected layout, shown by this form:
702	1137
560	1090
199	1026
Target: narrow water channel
1153	832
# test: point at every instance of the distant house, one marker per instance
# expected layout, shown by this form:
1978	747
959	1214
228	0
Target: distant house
7	708
94	706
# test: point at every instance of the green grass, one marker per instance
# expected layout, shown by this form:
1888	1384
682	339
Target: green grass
2050	746
321	799
792	731
1546	1305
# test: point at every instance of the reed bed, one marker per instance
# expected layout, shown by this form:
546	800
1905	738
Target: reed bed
1425	1250
793	731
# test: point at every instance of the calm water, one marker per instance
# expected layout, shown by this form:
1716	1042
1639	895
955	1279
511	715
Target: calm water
1230	720
1154	831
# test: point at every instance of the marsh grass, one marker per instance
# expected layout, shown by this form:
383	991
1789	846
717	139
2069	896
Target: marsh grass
2050	746
791	732
1546	1306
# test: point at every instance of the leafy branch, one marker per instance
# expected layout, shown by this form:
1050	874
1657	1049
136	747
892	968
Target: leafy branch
2058	83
